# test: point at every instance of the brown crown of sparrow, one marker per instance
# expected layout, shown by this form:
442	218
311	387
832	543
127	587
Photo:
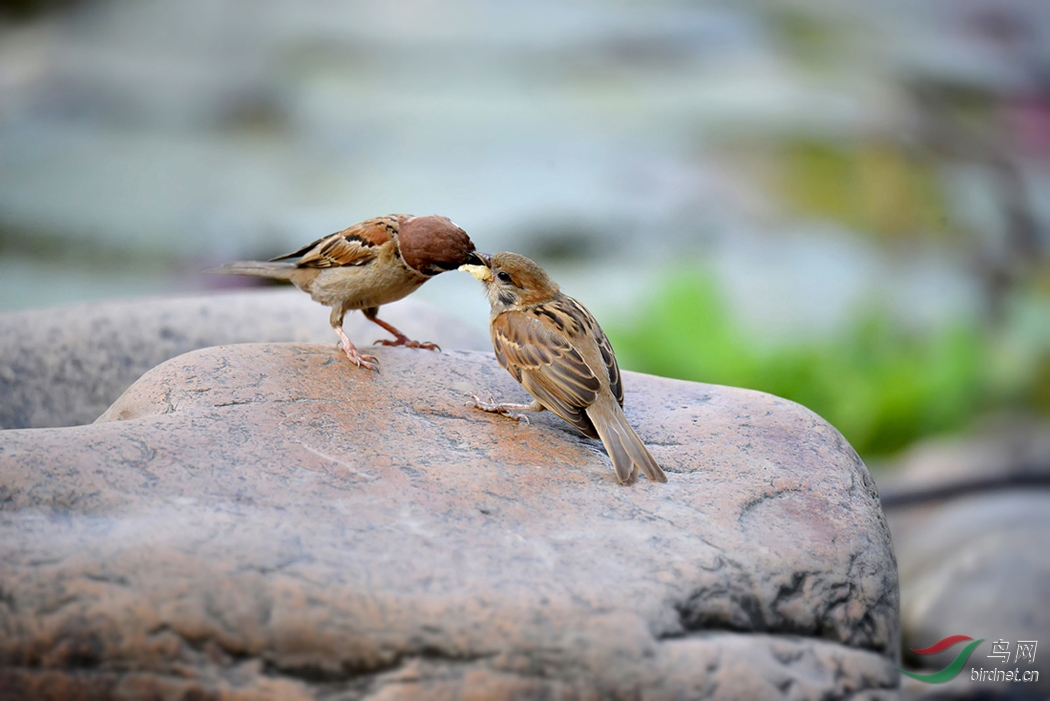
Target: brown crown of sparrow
369	264
553	346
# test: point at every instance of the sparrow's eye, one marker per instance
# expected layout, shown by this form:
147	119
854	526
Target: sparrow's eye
503	276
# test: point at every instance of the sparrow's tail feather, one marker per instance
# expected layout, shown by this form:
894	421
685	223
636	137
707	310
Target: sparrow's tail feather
280	271
626	449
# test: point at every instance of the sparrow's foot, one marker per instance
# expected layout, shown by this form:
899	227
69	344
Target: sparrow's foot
356	357
503	409
360	359
407	343
400	338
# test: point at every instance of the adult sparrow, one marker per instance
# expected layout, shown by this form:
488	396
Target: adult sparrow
369	264
553	346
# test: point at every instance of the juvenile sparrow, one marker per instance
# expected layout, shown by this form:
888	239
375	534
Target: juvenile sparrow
369	264
553	346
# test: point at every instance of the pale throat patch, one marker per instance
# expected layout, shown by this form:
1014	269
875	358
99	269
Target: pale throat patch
480	272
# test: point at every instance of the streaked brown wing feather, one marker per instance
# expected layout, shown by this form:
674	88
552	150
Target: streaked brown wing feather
547	365
355	245
565	312
615	380
571	414
337	251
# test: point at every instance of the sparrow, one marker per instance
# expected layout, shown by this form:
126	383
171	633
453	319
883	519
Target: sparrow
369	264
553	346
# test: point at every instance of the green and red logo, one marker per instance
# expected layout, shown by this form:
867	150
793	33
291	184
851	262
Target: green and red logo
952	670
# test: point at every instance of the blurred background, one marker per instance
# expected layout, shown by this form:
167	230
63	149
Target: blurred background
846	204
843	203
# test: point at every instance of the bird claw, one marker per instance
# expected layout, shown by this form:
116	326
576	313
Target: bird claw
502	409
356	357
425	345
490	405
367	361
360	359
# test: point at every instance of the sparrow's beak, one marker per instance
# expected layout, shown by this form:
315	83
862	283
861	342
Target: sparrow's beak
478	258
478	265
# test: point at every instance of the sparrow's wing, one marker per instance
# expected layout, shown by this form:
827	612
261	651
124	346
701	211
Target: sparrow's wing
571	317
541	356
615	381
355	245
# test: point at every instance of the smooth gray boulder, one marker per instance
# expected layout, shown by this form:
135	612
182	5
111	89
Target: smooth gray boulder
265	521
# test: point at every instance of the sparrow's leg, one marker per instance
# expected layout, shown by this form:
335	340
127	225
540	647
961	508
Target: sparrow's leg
402	339
357	358
506	409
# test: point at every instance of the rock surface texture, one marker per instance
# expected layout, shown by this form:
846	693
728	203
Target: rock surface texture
267	522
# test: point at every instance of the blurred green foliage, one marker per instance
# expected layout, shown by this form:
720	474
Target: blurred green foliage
873	186
879	384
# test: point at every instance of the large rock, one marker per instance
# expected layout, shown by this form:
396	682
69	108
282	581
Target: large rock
64	366
265	521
